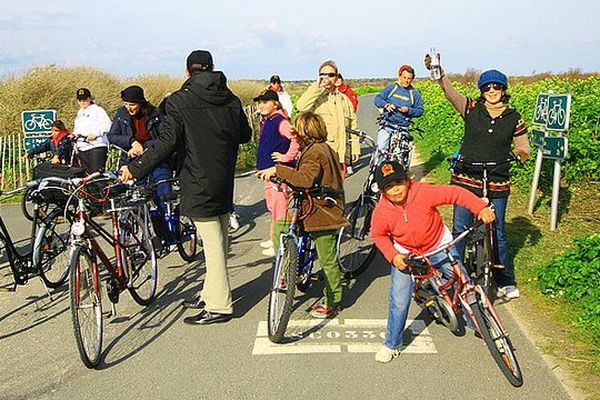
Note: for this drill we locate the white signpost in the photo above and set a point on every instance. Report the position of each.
(552, 112)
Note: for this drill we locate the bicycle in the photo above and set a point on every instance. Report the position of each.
(134, 268)
(401, 139)
(49, 238)
(38, 121)
(481, 251)
(355, 247)
(445, 299)
(180, 229)
(295, 258)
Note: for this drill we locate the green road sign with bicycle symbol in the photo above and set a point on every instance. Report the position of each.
(559, 109)
(37, 122)
(541, 109)
(555, 147)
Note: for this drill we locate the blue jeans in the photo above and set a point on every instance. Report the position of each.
(463, 217)
(401, 293)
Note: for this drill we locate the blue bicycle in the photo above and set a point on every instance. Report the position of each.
(295, 258)
(176, 229)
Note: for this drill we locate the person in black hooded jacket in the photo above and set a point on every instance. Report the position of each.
(205, 123)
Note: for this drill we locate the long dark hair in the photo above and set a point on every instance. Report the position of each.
(59, 124)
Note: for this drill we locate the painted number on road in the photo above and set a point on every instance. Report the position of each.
(335, 336)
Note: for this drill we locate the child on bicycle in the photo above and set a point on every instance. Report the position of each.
(318, 166)
(406, 220)
(277, 144)
(60, 144)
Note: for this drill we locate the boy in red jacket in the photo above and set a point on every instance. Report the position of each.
(406, 220)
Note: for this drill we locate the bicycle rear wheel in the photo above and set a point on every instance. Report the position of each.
(497, 342)
(355, 247)
(281, 298)
(86, 305)
(140, 259)
(187, 240)
(51, 249)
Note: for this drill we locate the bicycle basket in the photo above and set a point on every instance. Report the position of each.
(47, 170)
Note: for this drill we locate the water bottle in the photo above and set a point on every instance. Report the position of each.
(435, 67)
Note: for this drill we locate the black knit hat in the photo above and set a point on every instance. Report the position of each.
(389, 171)
(199, 57)
(266, 96)
(133, 94)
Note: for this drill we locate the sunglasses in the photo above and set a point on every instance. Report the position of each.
(329, 74)
(489, 86)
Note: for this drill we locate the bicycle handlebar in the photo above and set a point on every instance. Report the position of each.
(315, 191)
(485, 164)
(362, 137)
(468, 229)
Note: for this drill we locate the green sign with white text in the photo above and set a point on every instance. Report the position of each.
(537, 137)
(555, 147)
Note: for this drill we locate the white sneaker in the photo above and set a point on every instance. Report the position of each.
(266, 244)
(385, 354)
(234, 221)
(270, 252)
(510, 292)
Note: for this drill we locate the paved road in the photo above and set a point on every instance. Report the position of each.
(151, 354)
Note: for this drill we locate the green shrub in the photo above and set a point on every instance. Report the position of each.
(573, 277)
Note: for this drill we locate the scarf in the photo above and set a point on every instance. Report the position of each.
(495, 109)
(58, 138)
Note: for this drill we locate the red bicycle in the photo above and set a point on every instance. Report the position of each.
(134, 267)
(445, 299)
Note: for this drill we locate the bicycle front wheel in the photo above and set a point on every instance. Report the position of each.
(51, 249)
(497, 342)
(355, 247)
(187, 240)
(86, 305)
(140, 259)
(281, 298)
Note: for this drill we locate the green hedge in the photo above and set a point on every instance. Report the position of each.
(573, 277)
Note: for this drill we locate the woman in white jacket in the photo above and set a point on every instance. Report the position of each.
(90, 127)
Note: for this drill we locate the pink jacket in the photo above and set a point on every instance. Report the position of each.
(417, 225)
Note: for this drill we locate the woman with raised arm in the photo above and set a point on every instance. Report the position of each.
(492, 130)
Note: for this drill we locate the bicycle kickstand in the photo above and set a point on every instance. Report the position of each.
(46, 288)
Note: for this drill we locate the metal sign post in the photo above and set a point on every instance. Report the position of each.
(552, 111)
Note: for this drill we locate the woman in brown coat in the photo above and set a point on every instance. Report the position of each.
(318, 166)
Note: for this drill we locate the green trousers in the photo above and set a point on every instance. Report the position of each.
(325, 242)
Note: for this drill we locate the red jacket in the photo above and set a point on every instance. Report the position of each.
(347, 90)
(417, 225)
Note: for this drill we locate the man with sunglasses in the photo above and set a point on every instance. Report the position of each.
(492, 130)
(323, 98)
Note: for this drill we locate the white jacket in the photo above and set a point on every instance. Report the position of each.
(286, 102)
(91, 120)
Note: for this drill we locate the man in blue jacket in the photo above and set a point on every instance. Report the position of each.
(400, 102)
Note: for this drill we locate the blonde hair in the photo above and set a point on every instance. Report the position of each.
(310, 128)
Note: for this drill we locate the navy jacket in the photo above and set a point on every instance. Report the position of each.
(121, 131)
(64, 149)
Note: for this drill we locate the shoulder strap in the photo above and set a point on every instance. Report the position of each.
(393, 91)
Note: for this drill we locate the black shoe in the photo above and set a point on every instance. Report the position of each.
(195, 304)
(207, 317)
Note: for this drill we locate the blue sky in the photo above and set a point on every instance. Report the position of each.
(254, 39)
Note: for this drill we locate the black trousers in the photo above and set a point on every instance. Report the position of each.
(94, 159)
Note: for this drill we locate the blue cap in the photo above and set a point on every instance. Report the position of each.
(492, 76)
